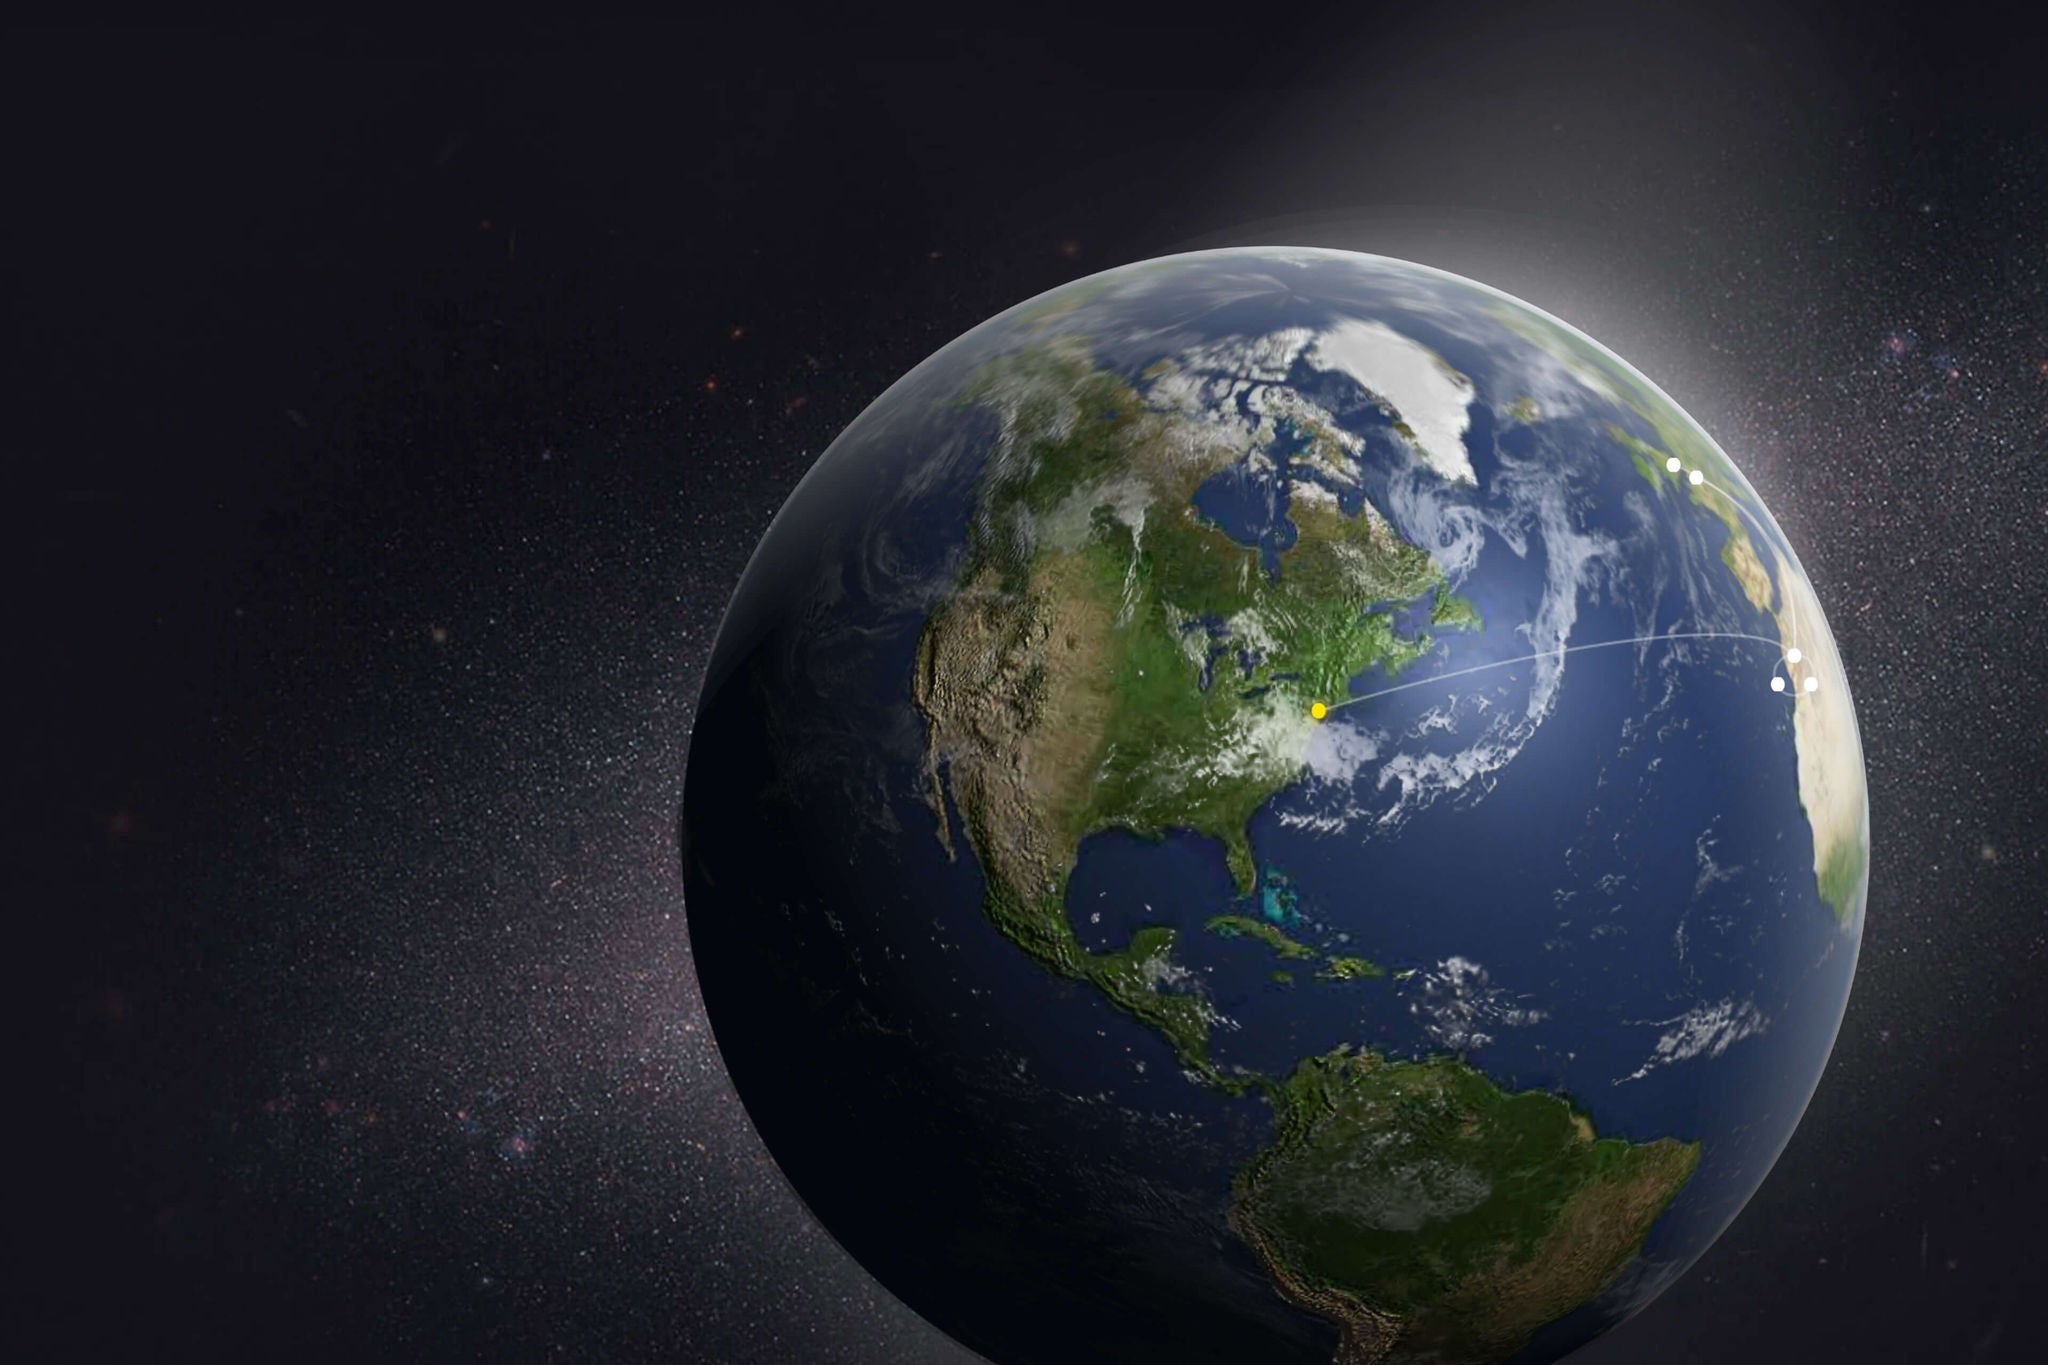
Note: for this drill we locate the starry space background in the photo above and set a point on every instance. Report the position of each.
(390, 416)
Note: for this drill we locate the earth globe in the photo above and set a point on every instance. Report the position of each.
(1275, 805)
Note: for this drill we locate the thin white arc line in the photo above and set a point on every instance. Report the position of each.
(1779, 645)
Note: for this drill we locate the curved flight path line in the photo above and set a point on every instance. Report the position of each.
(1787, 654)
(1328, 707)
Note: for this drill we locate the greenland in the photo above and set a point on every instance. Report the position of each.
(1428, 397)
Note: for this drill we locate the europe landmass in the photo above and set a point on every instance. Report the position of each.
(1108, 659)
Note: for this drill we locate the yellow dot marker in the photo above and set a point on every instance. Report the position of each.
(1317, 710)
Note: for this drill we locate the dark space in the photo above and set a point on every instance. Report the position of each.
(392, 413)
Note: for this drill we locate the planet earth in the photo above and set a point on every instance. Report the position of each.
(1275, 805)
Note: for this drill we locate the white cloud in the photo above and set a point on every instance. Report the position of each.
(1457, 1003)
(1336, 751)
(1703, 1030)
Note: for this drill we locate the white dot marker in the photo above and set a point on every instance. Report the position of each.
(1812, 683)
(1794, 655)
(1672, 464)
(1696, 478)
(1777, 684)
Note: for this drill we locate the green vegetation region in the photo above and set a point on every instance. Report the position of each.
(1840, 874)
(1083, 673)
(1334, 968)
(1452, 612)
(1433, 1216)
(1234, 926)
(1648, 460)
